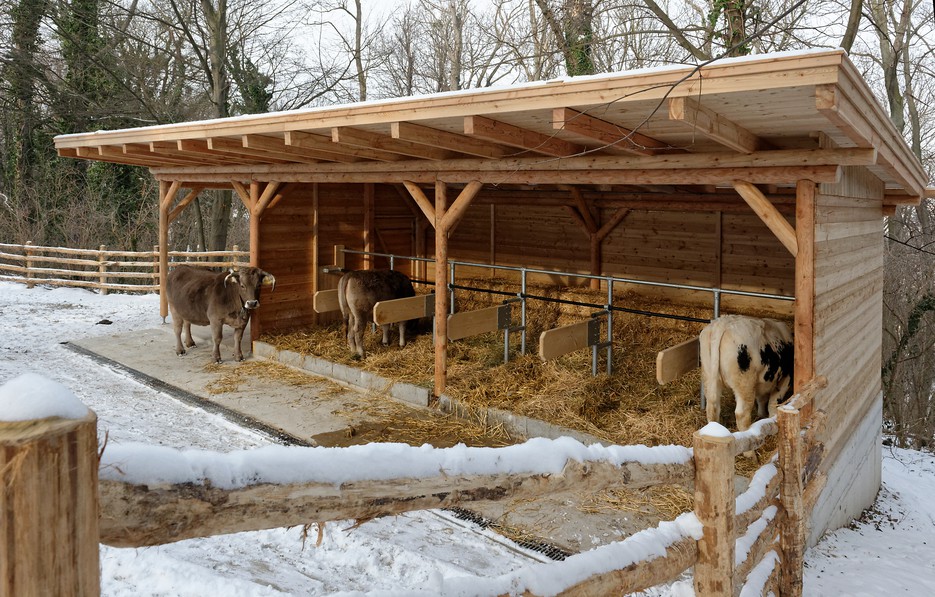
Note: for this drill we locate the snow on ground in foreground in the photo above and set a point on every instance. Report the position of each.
(891, 551)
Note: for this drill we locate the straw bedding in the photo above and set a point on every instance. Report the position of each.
(626, 407)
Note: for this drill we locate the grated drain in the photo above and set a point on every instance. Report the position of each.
(550, 551)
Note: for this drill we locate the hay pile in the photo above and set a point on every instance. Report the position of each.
(626, 407)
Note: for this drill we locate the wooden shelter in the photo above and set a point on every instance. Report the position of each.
(767, 173)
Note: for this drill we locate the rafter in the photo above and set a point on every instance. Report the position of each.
(171, 149)
(369, 139)
(417, 133)
(199, 147)
(144, 151)
(277, 146)
(320, 142)
(514, 136)
(235, 147)
(615, 138)
(713, 125)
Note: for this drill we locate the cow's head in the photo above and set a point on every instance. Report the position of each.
(248, 281)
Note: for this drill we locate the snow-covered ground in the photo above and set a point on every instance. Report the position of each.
(892, 551)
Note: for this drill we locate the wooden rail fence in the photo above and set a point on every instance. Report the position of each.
(101, 269)
(750, 543)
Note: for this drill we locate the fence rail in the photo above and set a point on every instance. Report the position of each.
(101, 269)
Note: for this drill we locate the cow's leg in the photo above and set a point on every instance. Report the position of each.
(745, 396)
(402, 334)
(216, 330)
(359, 324)
(386, 334)
(187, 328)
(238, 339)
(177, 330)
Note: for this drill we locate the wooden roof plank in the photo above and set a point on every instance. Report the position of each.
(320, 142)
(275, 145)
(713, 125)
(514, 136)
(234, 147)
(616, 138)
(417, 133)
(368, 139)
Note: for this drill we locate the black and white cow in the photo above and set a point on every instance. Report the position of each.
(754, 358)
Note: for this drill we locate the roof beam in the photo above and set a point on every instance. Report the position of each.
(234, 147)
(200, 148)
(482, 127)
(145, 151)
(713, 125)
(769, 214)
(94, 153)
(369, 139)
(320, 142)
(616, 139)
(171, 149)
(417, 133)
(277, 146)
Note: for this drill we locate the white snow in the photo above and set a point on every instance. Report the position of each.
(714, 429)
(31, 396)
(428, 553)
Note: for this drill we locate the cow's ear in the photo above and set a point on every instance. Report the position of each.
(231, 275)
(267, 279)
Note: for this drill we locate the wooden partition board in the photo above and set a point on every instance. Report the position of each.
(326, 301)
(404, 309)
(471, 323)
(674, 362)
(559, 341)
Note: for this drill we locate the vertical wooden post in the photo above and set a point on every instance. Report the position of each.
(804, 371)
(369, 219)
(315, 251)
(441, 289)
(235, 258)
(715, 508)
(254, 224)
(102, 268)
(49, 506)
(156, 269)
(164, 201)
(596, 242)
(29, 254)
(493, 239)
(793, 524)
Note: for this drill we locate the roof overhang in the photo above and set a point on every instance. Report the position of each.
(768, 119)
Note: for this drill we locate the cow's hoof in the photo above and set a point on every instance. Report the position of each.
(356, 357)
(177, 353)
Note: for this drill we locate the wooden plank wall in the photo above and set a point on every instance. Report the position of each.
(697, 248)
(848, 336)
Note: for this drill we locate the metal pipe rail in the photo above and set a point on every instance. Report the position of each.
(609, 280)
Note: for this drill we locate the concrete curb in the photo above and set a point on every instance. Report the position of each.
(367, 381)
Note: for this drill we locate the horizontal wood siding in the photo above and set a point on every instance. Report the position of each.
(848, 342)
(285, 250)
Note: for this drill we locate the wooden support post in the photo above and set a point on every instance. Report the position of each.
(165, 200)
(804, 285)
(369, 219)
(715, 508)
(441, 289)
(793, 529)
(29, 254)
(315, 251)
(49, 506)
(102, 268)
(254, 224)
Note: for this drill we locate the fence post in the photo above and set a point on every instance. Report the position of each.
(715, 509)
(234, 258)
(29, 252)
(102, 268)
(48, 496)
(792, 528)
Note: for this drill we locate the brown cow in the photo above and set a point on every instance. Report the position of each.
(754, 358)
(359, 291)
(201, 297)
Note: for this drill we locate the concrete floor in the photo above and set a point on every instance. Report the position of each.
(322, 412)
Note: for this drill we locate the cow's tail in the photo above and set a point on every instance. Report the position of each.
(710, 352)
(342, 301)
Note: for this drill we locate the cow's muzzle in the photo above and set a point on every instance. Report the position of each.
(251, 305)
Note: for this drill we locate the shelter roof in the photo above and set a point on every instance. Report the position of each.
(766, 119)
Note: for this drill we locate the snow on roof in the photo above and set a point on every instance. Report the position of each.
(31, 396)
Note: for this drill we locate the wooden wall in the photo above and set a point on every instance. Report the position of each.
(733, 250)
(848, 339)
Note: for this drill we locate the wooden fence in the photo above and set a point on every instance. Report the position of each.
(102, 269)
(750, 543)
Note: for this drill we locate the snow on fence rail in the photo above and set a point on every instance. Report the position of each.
(730, 540)
(101, 269)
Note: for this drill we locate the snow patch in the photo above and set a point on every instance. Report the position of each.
(30, 396)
